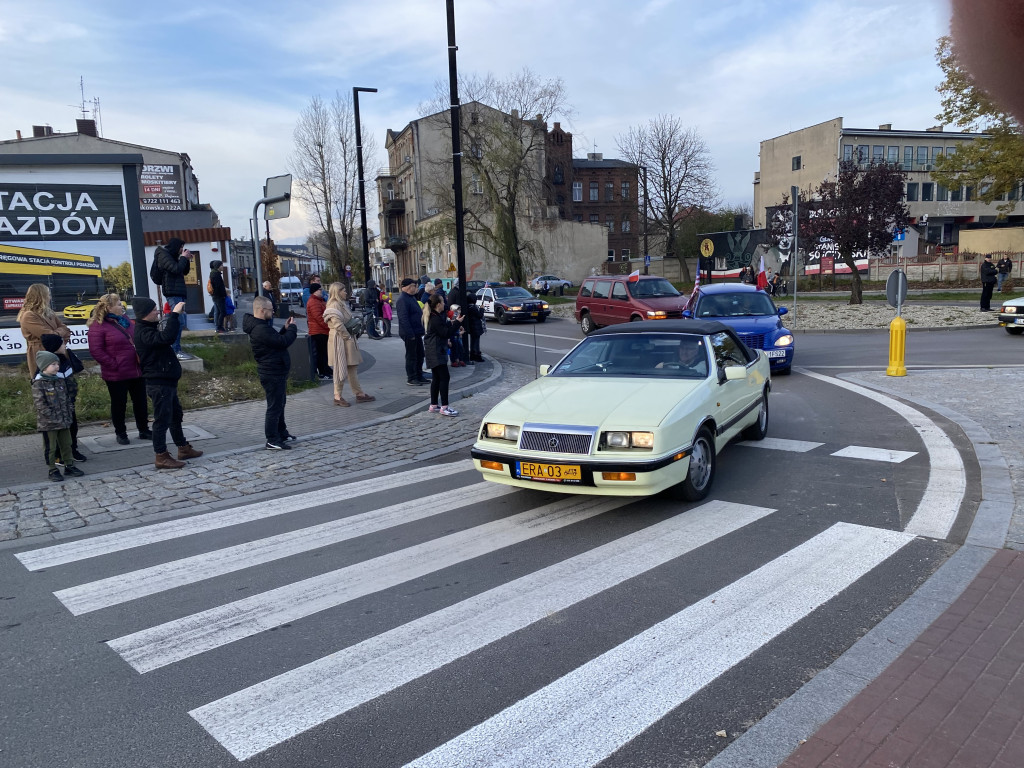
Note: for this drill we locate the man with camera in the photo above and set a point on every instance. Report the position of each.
(270, 348)
(174, 260)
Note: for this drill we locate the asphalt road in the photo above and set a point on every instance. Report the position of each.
(420, 619)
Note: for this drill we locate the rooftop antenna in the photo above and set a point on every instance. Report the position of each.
(85, 105)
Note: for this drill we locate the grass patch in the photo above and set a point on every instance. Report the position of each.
(229, 376)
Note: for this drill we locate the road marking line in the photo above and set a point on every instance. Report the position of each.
(531, 333)
(263, 715)
(61, 554)
(178, 573)
(782, 444)
(181, 638)
(947, 480)
(874, 454)
(587, 715)
(531, 346)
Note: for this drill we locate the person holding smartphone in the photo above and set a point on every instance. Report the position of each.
(174, 260)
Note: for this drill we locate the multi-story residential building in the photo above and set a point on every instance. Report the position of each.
(595, 191)
(806, 157)
(414, 199)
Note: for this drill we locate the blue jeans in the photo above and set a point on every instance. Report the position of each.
(182, 320)
(1000, 279)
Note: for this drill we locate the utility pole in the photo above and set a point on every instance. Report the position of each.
(453, 82)
(359, 168)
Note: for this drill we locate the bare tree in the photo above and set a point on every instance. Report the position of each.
(326, 172)
(503, 134)
(679, 174)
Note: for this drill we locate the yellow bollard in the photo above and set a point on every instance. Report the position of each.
(897, 347)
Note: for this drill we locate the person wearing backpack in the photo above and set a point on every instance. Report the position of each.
(215, 285)
(172, 262)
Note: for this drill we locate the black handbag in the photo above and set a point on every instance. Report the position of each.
(77, 366)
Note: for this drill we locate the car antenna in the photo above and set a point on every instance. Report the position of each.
(536, 367)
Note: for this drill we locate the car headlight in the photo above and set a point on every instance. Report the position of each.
(657, 315)
(1009, 310)
(502, 432)
(629, 439)
(784, 341)
(543, 306)
(516, 309)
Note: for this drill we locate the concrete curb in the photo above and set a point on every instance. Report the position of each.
(768, 743)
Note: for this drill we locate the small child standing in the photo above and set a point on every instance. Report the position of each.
(229, 314)
(54, 414)
(54, 343)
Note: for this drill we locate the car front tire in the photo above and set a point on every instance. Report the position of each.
(783, 371)
(541, 318)
(1014, 330)
(700, 470)
(499, 315)
(586, 324)
(759, 428)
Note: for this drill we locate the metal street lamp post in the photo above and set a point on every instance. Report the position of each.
(359, 167)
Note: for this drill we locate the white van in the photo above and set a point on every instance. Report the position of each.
(291, 290)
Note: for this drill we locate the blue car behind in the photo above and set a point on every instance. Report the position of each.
(752, 314)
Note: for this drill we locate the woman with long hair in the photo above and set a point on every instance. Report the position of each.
(342, 351)
(112, 345)
(36, 319)
(435, 347)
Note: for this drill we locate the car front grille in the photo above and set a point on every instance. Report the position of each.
(565, 442)
(752, 340)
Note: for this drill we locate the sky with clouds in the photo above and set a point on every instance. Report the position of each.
(224, 81)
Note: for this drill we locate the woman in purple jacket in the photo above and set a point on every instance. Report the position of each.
(112, 345)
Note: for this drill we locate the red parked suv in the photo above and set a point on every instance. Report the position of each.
(608, 299)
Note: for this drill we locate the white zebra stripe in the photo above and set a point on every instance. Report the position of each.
(585, 716)
(182, 638)
(263, 715)
(782, 444)
(159, 578)
(83, 549)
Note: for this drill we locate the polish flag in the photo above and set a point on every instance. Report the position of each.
(634, 277)
(762, 279)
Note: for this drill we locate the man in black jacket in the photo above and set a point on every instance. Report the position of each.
(175, 260)
(161, 370)
(270, 348)
(410, 329)
(218, 292)
(988, 282)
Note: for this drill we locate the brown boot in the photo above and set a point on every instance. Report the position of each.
(164, 461)
(186, 451)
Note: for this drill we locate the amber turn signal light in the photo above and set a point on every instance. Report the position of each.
(618, 475)
(495, 465)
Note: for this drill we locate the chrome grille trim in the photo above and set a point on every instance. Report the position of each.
(570, 439)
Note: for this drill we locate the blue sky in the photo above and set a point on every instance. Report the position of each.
(224, 81)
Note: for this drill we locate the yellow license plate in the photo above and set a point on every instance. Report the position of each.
(533, 314)
(549, 472)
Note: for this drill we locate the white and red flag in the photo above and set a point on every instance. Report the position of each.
(762, 278)
(634, 277)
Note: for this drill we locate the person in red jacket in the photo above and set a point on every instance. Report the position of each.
(112, 345)
(318, 330)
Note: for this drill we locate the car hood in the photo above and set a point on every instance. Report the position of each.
(1019, 302)
(594, 401)
(757, 324)
(664, 303)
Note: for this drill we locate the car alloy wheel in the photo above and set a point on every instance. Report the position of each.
(586, 324)
(499, 313)
(700, 473)
(759, 428)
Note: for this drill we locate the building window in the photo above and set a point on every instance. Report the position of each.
(847, 152)
(625, 224)
(908, 158)
(559, 176)
(609, 191)
(577, 191)
(595, 219)
(1014, 193)
(625, 254)
(474, 118)
(796, 163)
(926, 192)
(922, 157)
(941, 193)
(862, 153)
(610, 221)
(956, 194)
(893, 155)
(936, 153)
(877, 153)
(611, 254)
(474, 149)
(593, 191)
(475, 187)
(578, 217)
(625, 190)
(912, 192)
(969, 195)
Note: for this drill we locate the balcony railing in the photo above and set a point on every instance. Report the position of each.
(394, 207)
(397, 243)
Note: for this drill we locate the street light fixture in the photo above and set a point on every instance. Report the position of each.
(362, 191)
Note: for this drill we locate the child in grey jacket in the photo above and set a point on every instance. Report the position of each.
(54, 414)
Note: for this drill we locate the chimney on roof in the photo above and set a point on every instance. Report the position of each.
(19, 135)
(558, 126)
(595, 156)
(885, 127)
(86, 127)
(39, 131)
(934, 129)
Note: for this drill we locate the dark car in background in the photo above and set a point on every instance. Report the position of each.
(505, 303)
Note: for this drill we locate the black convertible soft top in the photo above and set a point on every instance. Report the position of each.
(697, 327)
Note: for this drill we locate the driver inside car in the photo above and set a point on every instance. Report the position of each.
(690, 356)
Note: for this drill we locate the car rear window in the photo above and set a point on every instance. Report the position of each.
(587, 289)
(601, 290)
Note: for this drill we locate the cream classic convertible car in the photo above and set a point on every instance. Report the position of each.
(632, 410)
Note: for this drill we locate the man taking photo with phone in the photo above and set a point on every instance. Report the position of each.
(174, 260)
(270, 348)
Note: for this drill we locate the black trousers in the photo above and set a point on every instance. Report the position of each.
(320, 345)
(276, 388)
(474, 345)
(440, 376)
(413, 357)
(120, 391)
(218, 312)
(167, 415)
(986, 295)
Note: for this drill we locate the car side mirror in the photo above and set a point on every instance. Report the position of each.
(734, 372)
(783, 311)
(687, 313)
(545, 369)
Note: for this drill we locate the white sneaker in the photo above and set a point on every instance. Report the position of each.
(446, 411)
(184, 356)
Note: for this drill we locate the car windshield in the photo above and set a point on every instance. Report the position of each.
(646, 289)
(512, 293)
(650, 355)
(735, 305)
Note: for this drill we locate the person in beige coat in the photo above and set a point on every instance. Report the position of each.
(36, 319)
(342, 351)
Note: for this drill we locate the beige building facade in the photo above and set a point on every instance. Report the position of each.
(807, 157)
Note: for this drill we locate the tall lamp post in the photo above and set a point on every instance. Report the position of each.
(362, 190)
(646, 254)
(453, 86)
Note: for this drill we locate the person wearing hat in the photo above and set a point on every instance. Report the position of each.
(318, 330)
(988, 282)
(54, 414)
(55, 343)
(174, 261)
(161, 370)
(411, 331)
(218, 292)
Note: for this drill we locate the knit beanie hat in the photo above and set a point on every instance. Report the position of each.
(142, 306)
(51, 341)
(44, 358)
(314, 287)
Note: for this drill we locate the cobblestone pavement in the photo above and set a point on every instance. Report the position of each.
(142, 492)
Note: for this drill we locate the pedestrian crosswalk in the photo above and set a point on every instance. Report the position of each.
(594, 546)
